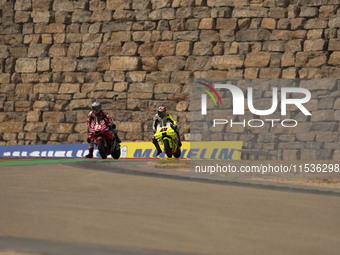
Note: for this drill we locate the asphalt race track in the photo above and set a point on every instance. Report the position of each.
(94, 207)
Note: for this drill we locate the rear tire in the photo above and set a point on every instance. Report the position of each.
(167, 148)
(101, 148)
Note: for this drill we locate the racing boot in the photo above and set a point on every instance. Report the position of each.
(90, 155)
(155, 142)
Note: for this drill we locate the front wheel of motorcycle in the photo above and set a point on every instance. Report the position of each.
(101, 149)
(167, 148)
(116, 154)
(178, 153)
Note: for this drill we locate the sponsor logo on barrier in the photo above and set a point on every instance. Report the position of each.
(206, 150)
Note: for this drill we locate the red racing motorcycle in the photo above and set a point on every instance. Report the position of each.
(106, 142)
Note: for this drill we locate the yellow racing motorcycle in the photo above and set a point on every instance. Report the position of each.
(167, 139)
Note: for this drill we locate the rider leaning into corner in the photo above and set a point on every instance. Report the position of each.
(98, 114)
(163, 117)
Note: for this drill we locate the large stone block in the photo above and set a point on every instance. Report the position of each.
(4, 51)
(253, 35)
(45, 88)
(18, 51)
(141, 87)
(37, 50)
(141, 4)
(220, 3)
(171, 63)
(257, 59)
(310, 59)
(183, 48)
(186, 36)
(334, 22)
(89, 49)
(227, 62)
(322, 115)
(63, 64)
(119, 4)
(308, 12)
(80, 104)
(288, 59)
(164, 48)
(334, 45)
(158, 77)
(137, 76)
(22, 5)
(33, 116)
(41, 16)
(41, 5)
(198, 63)
(80, 16)
(109, 49)
(167, 88)
(334, 59)
(59, 128)
(314, 45)
(53, 117)
(87, 64)
(129, 49)
(23, 106)
(26, 65)
(101, 16)
(149, 64)
(43, 64)
(63, 5)
(58, 50)
(55, 28)
(22, 17)
(5, 77)
(316, 23)
(207, 23)
(69, 88)
(124, 15)
(223, 23)
(250, 12)
(203, 48)
(124, 63)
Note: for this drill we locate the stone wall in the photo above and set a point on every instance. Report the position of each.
(56, 57)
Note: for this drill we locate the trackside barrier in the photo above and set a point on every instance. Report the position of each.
(208, 150)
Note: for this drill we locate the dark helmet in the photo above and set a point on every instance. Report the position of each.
(161, 111)
(96, 107)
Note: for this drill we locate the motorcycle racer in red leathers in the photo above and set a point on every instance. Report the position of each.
(98, 114)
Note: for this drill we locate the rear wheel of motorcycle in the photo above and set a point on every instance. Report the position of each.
(167, 148)
(178, 153)
(101, 149)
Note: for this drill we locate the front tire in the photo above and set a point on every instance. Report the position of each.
(116, 154)
(178, 153)
(101, 148)
(168, 150)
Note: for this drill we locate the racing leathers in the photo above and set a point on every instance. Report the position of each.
(167, 118)
(103, 115)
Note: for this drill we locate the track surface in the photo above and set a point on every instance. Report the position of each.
(72, 209)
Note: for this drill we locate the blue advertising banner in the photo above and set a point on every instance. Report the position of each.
(208, 150)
